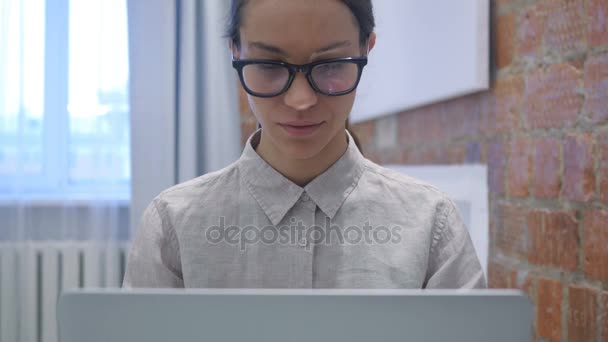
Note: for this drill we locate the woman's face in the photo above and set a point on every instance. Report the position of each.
(300, 32)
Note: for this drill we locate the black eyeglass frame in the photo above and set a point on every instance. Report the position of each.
(239, 64)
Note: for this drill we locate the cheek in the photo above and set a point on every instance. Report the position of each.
(339, 107)
(260, 107)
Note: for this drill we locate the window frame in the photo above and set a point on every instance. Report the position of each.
(53, 181)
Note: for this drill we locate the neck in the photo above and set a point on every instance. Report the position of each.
(302, 171)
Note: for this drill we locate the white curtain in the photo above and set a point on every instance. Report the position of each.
(184, 103)
(65, 174)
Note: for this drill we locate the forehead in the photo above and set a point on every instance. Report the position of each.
(298, 26)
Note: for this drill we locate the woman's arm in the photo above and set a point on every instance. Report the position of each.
(154, 258)
(453, 262)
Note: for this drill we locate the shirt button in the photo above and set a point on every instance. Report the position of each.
(305, 197)
(303, 242)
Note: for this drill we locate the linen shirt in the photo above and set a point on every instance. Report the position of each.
(248, 226)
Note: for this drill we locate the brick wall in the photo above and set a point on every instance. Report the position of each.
(542, 130)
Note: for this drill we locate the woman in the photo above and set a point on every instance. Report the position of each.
(302, 208)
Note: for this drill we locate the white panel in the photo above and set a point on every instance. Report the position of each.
(152, 33)
(70, 267)
(28, 294)
(188, 97)
(8, 294)
(92, 266)
(50, 290)
(426, 51)
(220, 97)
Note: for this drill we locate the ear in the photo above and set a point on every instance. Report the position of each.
(233, 48)
(372, 41)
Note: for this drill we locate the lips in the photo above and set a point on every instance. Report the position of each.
(300, 128)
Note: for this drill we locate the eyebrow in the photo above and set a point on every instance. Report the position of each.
(279, 51)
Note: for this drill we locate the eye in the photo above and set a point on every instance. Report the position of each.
(270, 67)
(331, 67)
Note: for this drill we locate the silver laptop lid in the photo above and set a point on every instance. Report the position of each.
(293, 315)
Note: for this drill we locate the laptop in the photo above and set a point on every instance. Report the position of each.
(288, 315)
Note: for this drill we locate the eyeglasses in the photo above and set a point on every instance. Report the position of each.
(267, 78)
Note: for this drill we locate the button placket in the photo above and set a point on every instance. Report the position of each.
(303, 214)
(303, 242)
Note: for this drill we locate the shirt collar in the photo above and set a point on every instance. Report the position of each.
(276, 194)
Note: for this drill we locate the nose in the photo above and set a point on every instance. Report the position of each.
(300, 95)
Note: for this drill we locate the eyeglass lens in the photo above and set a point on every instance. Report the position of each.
(334, 77)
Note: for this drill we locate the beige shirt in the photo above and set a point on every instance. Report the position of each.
(357, 225)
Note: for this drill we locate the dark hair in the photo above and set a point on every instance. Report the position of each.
(363, 13)
(362, 10)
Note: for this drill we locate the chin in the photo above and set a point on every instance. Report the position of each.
(302, 150)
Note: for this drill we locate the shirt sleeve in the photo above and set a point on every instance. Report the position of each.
(453, 262)
(154, 257)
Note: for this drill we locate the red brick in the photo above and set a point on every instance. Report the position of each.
(603, 165)
(407, 155)
(428, 155)
(598, 22)
(460, 117)
(410, 156)
(454, 153)
(473, 152)
(524, 281)
(492, 224)
(604, 304)
(505, 35)
(531, 31)
(549, 309)
(375, 157)
(566, 27)
(388, 156)
(596, 87)
(582, 314)
(519, 168)
(421, 125)
(511, 230)
(499, 276)
(547, 165)
(596, 244)
(555, 242)
(534, 228)
(552, 99)
(415, 156)
(408, 132)
(504, 107)
(579, 175)
(534, 219)
(365, 132)
(497, 162)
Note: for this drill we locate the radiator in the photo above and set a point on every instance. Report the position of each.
(33, 274)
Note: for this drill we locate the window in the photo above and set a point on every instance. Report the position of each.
(64, 109)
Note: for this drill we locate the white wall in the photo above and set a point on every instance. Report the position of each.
(426, 51)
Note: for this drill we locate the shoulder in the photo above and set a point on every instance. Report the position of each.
(208, 186)
(386, 182)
